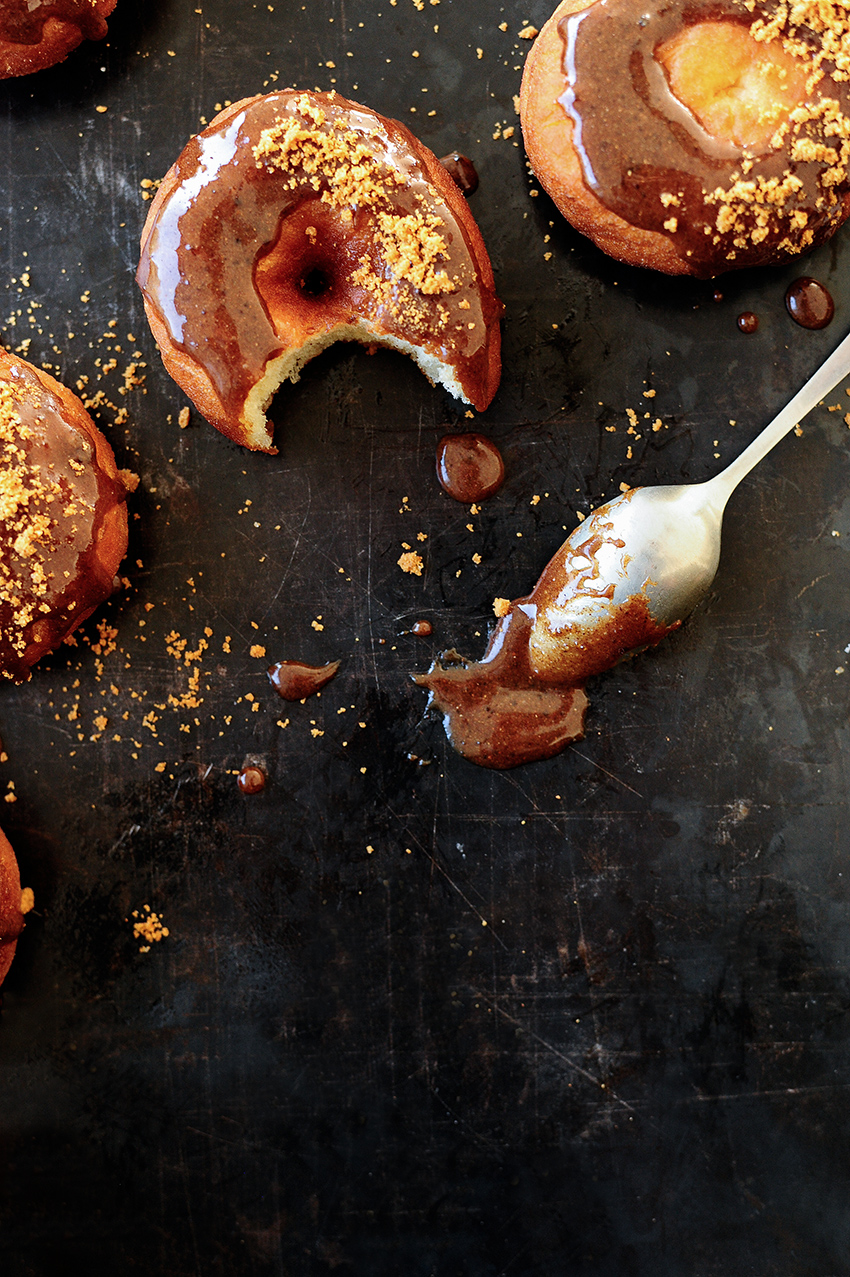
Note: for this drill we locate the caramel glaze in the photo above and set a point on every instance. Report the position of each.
(637, 142)
(295, 681)
(62, 519)
(238, 253)
(809, 303)
(23, 23)
(496, 712)
(525, 699)
(462, 171)
(251, 780)
(469, 467)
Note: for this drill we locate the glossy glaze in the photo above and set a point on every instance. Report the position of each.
(56, 462)
(809, 303)
(469, 467)
(23, 22)
(639, 145)
(209, 269)
(294, 681)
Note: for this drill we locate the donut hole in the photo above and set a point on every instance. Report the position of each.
(739, 89)
(301, 276)
(316, 282)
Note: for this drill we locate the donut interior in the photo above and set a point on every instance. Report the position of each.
(738, 88)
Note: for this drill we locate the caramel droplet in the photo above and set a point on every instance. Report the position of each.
(469, 467)
(294, 680)
(748, 322)
(809, 304)
(422, 628)
(462, 172)
(251, 780)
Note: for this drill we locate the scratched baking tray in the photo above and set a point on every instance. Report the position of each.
(639, 1066)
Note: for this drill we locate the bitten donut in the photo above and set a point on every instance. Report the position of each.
(693, 136)
(63, 515)
(300, 219)
(14, 905)
(35, 34)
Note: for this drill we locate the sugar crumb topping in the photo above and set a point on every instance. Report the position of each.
(32, 501)
(817, 132)
(347, 175)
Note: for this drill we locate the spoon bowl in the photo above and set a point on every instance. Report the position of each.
(659, 545)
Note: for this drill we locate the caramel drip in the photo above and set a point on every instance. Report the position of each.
(243, 185)
(462, 171)
(647, 158)
(469, 467)
(525, 699)
(809, 303)
(23, 22)
(295, 681)
(251, 780)
(495, 711)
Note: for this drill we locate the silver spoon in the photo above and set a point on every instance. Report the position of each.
(661, 543)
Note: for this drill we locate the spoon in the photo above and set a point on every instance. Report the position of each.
(662, 543)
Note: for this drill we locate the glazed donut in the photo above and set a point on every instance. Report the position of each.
(35, 34)
(14, 905)
(296, 220)
(693, 136)
(63, 515)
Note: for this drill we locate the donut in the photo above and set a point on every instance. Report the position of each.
(296, 220)
(14, 904)
(35, 34)
(63, 515)
(693, 136)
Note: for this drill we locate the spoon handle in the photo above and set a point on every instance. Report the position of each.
(836, 367)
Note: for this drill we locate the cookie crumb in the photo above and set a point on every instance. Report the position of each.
(411, 562)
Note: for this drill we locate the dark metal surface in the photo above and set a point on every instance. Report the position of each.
(639, 1066)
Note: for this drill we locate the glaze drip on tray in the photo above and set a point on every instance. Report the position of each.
(809, 303)
(469, 467)
(525, 699)
(294, 681)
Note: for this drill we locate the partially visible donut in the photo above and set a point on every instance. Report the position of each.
(14, 905)
(296, 220)
(35, 34)
(693, 136)
(63, 515)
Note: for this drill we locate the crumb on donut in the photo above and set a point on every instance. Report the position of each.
(26, 494)
(412, 244)
(748, 207)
